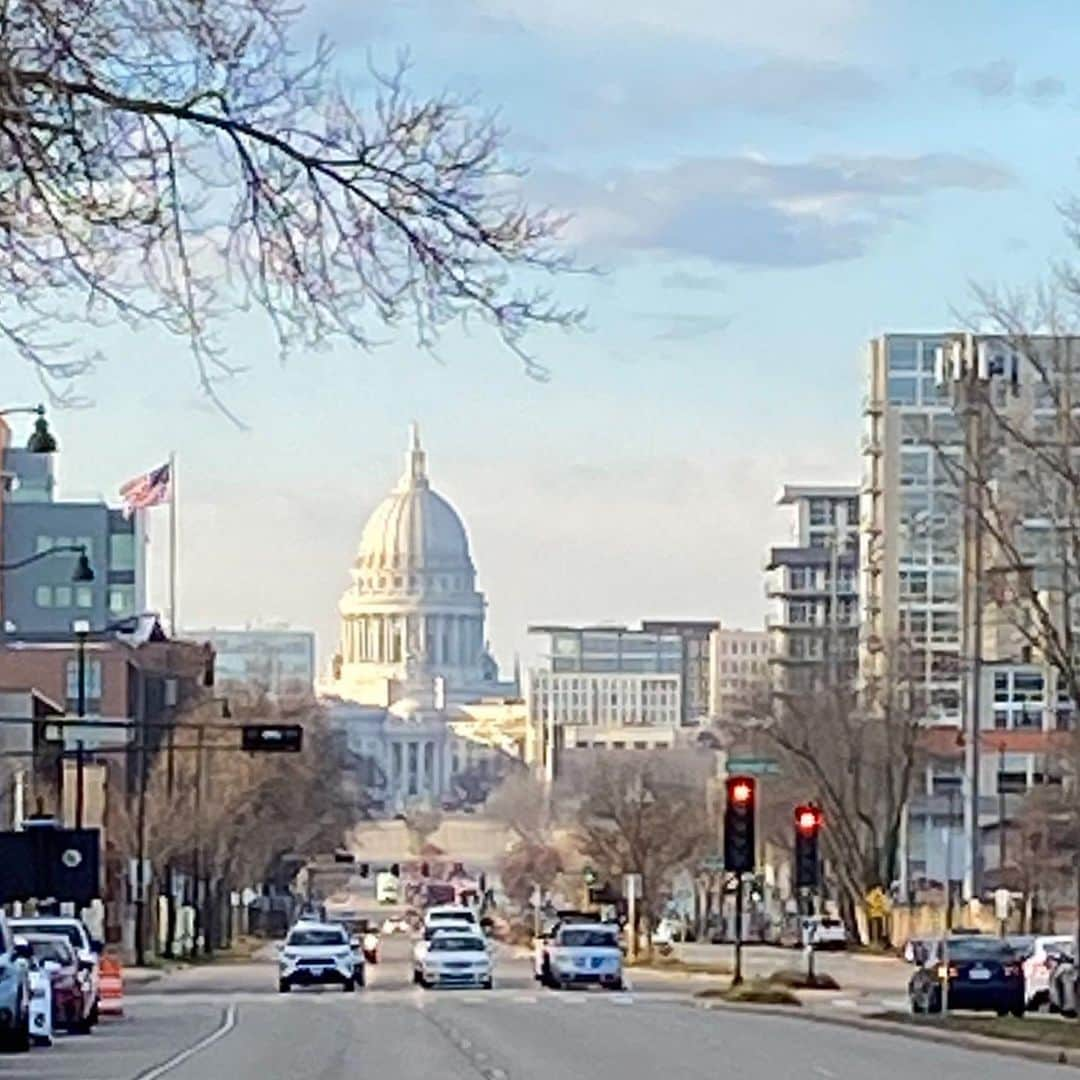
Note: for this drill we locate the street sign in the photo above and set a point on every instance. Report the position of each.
(1002, 904)
(752, 766)
(712, 864)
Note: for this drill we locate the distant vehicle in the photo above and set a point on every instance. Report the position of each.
(455, 958)
(580, 954)
(369, 942)
(395, 926)
(41, 1020)
(386, 887)
(68, 984)
(428, 935)
(319, 954)
(451, 913)
(14, 990)
(443, 893)
(981, 973)
(1039, 959)
(87, 950)
(823, 932)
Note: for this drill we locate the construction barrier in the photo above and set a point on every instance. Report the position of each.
(111, 987)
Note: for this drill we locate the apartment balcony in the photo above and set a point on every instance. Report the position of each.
(871, 445)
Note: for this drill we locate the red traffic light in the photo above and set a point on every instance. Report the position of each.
(807, 819)
(740, 791)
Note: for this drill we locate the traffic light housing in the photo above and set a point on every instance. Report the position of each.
(808, 822)
(272, 738)
(739, 818)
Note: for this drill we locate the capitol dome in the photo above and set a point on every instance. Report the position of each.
(413, 529)
(413, 613)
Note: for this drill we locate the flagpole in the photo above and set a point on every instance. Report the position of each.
(172, 544)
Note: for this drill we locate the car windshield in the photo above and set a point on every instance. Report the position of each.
(980, 948)
(317, 936)
(579, 938)
(60, 951)
(457, 943)
(65, 930)
(436, 931)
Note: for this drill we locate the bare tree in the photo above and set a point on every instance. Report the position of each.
(422, 823)
(855, 752)
(161, 163)
(643, 812)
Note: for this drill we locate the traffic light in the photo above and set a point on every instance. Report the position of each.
(272, 738)
(808, 822)
(739, 845)
(395, 869)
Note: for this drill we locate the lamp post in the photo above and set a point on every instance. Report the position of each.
(81, 628)
(83, 572)
(42, 440)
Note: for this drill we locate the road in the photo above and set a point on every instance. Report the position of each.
(229, 1023)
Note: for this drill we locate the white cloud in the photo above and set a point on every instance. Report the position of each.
(755, 212)
(824, 28)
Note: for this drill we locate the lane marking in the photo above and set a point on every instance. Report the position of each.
(228, 1022)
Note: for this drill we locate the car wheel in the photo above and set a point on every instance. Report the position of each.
(487, 984)
(1018, 1009)
(17, 1042)
(933, 1004)
(360, 978)
(1002, 1010)
(94, 1016)
(348, 986)
(283, 986)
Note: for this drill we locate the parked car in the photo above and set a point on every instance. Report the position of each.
(317, 954)
(14, 991)
(823, 932)
(980, 973)
(87, 949)
(68, 983)
(580, 954)
(1039, 959)
(451, 913)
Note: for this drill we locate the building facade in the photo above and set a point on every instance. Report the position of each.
(604, 687)
(41, 599)
(739, 668)
(696, 670)
(278, 661)
(813, 589)
(412, 647)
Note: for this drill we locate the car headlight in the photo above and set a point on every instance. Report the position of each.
(7, 971)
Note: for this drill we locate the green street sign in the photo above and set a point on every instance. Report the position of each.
(752, 766)
(712, 864)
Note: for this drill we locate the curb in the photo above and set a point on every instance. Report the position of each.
(1040, 1052)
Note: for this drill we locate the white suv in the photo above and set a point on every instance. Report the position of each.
(317, 954)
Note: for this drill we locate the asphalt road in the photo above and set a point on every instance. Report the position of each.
(229, 1023)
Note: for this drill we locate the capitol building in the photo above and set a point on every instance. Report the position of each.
(413, 667)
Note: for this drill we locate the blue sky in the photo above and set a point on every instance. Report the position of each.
(765, 188)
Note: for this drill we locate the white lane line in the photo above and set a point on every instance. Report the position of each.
(824, 1072)
(228, 1022)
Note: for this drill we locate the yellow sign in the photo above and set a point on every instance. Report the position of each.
(877, 904)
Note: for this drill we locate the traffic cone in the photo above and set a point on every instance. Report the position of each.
(111, 987)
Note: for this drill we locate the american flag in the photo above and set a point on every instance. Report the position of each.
(150, 489)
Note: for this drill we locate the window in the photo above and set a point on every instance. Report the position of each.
(801, 613)
(93, 684)
(913, 584)
(43, 596)
(802, 577)
(84, 597)
(946, 585)
(902, 356)
(121, 551)
(44, 543)
(902, 390)
(62, 596)
(914, 468)
(914, 429)
(820, 512)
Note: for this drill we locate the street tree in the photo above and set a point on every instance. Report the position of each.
(643, 812)
(855, 752)
(163, 163)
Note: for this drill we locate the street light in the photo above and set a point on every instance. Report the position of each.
(42, 440)
(82, 574)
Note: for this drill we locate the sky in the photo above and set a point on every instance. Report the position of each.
(764, 187)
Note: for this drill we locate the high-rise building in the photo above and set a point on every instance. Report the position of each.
(739, 669)
(695, 673)
(42, 599)
(813, 586)
(605, 687)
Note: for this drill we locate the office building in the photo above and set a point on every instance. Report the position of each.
(696, 670)
(739, 670)
(41, 599)
(605, 687)
(276, 661)
(813, 589)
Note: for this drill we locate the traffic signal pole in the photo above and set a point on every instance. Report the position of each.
(737, 978)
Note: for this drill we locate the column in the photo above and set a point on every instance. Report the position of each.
(454, 637)
(421, 772)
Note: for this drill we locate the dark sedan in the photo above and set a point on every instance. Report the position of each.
(980, 973)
